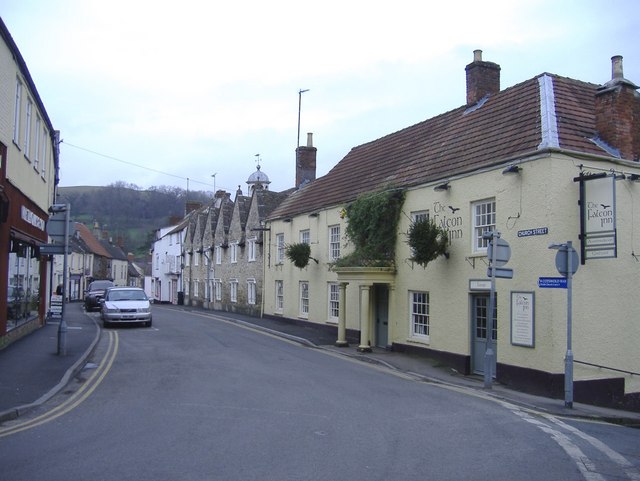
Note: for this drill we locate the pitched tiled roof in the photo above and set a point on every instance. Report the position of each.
(90, 240)
(545, 112)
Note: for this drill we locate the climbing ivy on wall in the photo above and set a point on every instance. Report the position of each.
(372, 228)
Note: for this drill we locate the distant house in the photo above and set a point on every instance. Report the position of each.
(550, 160)
(166, 263)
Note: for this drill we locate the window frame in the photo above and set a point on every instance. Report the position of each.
(479, 244)
(280, 248)
(333, 301)
(304, 298)
(251, 292)
(252, 249)
(279, 296)
(233, 292)
(415, 316)
(17, 113)
(334, 242)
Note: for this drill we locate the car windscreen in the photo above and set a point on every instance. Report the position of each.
(126, 295)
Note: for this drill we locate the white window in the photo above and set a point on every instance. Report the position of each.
(234, 252)
(280, 248)
(334, 301)
(217, 287)
(304, 299)
(234, 290)
(205, 257)
(43, 153)
(419, 215)
(188, 258)
(16, 113)
(305, 236)
(419, 304)
(251, 291)
(484, 220)
(279, 296)
(196, 290)
(334, 242)
(252, 250)
(36, 138)
(27, 129)
(218, 255)
(196, 259)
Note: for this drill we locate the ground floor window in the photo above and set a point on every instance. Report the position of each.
(23, 296)
(217, 288)
(419, 308)
(251, 291)
(279, 296)
(334, 301)
(304, 299)
(234, 290)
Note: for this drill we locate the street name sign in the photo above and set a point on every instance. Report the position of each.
(552, 282)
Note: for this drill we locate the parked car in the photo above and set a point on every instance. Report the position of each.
(124, 305)
(94, 293)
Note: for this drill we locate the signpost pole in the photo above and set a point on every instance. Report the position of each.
(62, 327)
(568, 361)
(489, 354)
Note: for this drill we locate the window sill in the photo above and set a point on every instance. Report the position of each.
(420, 340)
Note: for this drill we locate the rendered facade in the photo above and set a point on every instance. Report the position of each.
(549, 160)
(28, 179)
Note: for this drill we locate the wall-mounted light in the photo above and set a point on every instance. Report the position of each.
(288, 219)
(634, 177)
(442, 187)
(313, 214)
(512, 169)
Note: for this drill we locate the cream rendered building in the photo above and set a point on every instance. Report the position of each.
(516, 161)
(28, 179)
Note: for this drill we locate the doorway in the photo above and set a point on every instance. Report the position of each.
(479, 312)
(381, 302)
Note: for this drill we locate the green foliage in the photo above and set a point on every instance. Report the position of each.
(128, 212)
(299, 254)
(427, 241)
(372, 228)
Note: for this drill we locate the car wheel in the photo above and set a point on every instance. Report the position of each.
(106, 324)
(148, 323)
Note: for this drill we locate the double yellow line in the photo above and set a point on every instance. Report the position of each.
(76, 398)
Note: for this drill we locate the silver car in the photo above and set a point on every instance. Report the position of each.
(125, 305)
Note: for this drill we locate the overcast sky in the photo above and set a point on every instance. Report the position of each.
(155, 92)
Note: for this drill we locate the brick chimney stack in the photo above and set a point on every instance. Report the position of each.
(306, 163)
(618, 113)
(483, 78)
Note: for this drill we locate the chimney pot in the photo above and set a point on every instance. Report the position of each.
(616, 67)
(477, 55)
(309, 139)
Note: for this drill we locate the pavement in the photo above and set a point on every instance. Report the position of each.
(31, 371)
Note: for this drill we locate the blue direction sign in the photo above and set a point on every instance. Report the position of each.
(552, 282)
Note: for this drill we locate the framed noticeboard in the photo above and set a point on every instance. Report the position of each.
(523, 319)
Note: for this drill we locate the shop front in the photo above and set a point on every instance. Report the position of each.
(23, 272)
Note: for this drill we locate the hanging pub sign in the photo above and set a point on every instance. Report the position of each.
(597, 216)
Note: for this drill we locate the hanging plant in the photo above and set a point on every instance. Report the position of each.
(299, 254)
(427, 241)
(372, 228)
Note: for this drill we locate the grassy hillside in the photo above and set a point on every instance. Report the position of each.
(127, 212)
